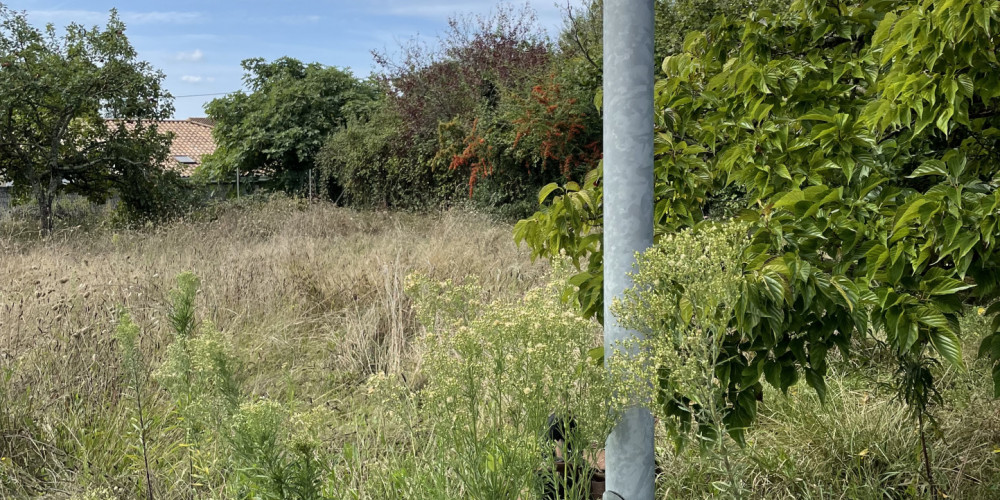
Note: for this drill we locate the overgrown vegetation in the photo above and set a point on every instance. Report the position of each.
(478, 115)
(826, 212)
(276, 128)
(298, 361)
(859, 139)
(306, 304)
(491, 111)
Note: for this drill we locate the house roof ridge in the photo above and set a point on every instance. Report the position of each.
(190, 120)
(198, 122)
(192, 138)
(193, 120)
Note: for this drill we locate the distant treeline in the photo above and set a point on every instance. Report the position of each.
(492, 112)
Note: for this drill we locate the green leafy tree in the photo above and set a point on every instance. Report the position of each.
(78, 113)
(864, 136)
(279, 125)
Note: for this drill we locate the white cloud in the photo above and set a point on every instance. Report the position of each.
(61, 17)
(197, 79)
(193, 56)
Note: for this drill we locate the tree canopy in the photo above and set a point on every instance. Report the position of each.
(78, 113)
(279, 124)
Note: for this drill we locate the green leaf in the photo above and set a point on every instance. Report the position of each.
(579, 279)
(929, 167)
(907, 333)
(943, 118)
(817, 382)
(847, 290)
(789, 199)
(772, 373)
(833, 195)
(789, 376)
(965, 83)
(989, 348)
(946, 343)
(932, 318)
(819, 114)
(951, 228)
(686, 309)
(544, 193)
(948, 286)
(966, 241)
(782, 172)
(884, 27)
(912, 211)
(596, 356)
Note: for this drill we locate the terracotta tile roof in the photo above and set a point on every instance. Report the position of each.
(192, 139)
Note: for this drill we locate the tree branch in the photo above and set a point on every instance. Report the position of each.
(575, 35)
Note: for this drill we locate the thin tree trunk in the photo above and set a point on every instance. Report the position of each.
(44, 197)
(935, 493)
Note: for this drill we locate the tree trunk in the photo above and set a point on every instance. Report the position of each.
(44, 197)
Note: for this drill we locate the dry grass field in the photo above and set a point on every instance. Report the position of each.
(310, 297)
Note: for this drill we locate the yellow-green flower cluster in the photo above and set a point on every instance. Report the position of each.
(685, 290)
(496, 372)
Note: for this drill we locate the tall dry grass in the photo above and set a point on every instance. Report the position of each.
(311, 297)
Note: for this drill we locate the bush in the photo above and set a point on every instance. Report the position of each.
(371, 163)
(156, 197)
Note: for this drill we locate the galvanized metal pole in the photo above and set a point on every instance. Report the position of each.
(628, 217)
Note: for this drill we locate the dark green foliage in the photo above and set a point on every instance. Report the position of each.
(277, 128)
(156, 196)
(366, 164)
(863, 134)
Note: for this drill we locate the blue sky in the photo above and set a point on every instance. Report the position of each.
(199, 44)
